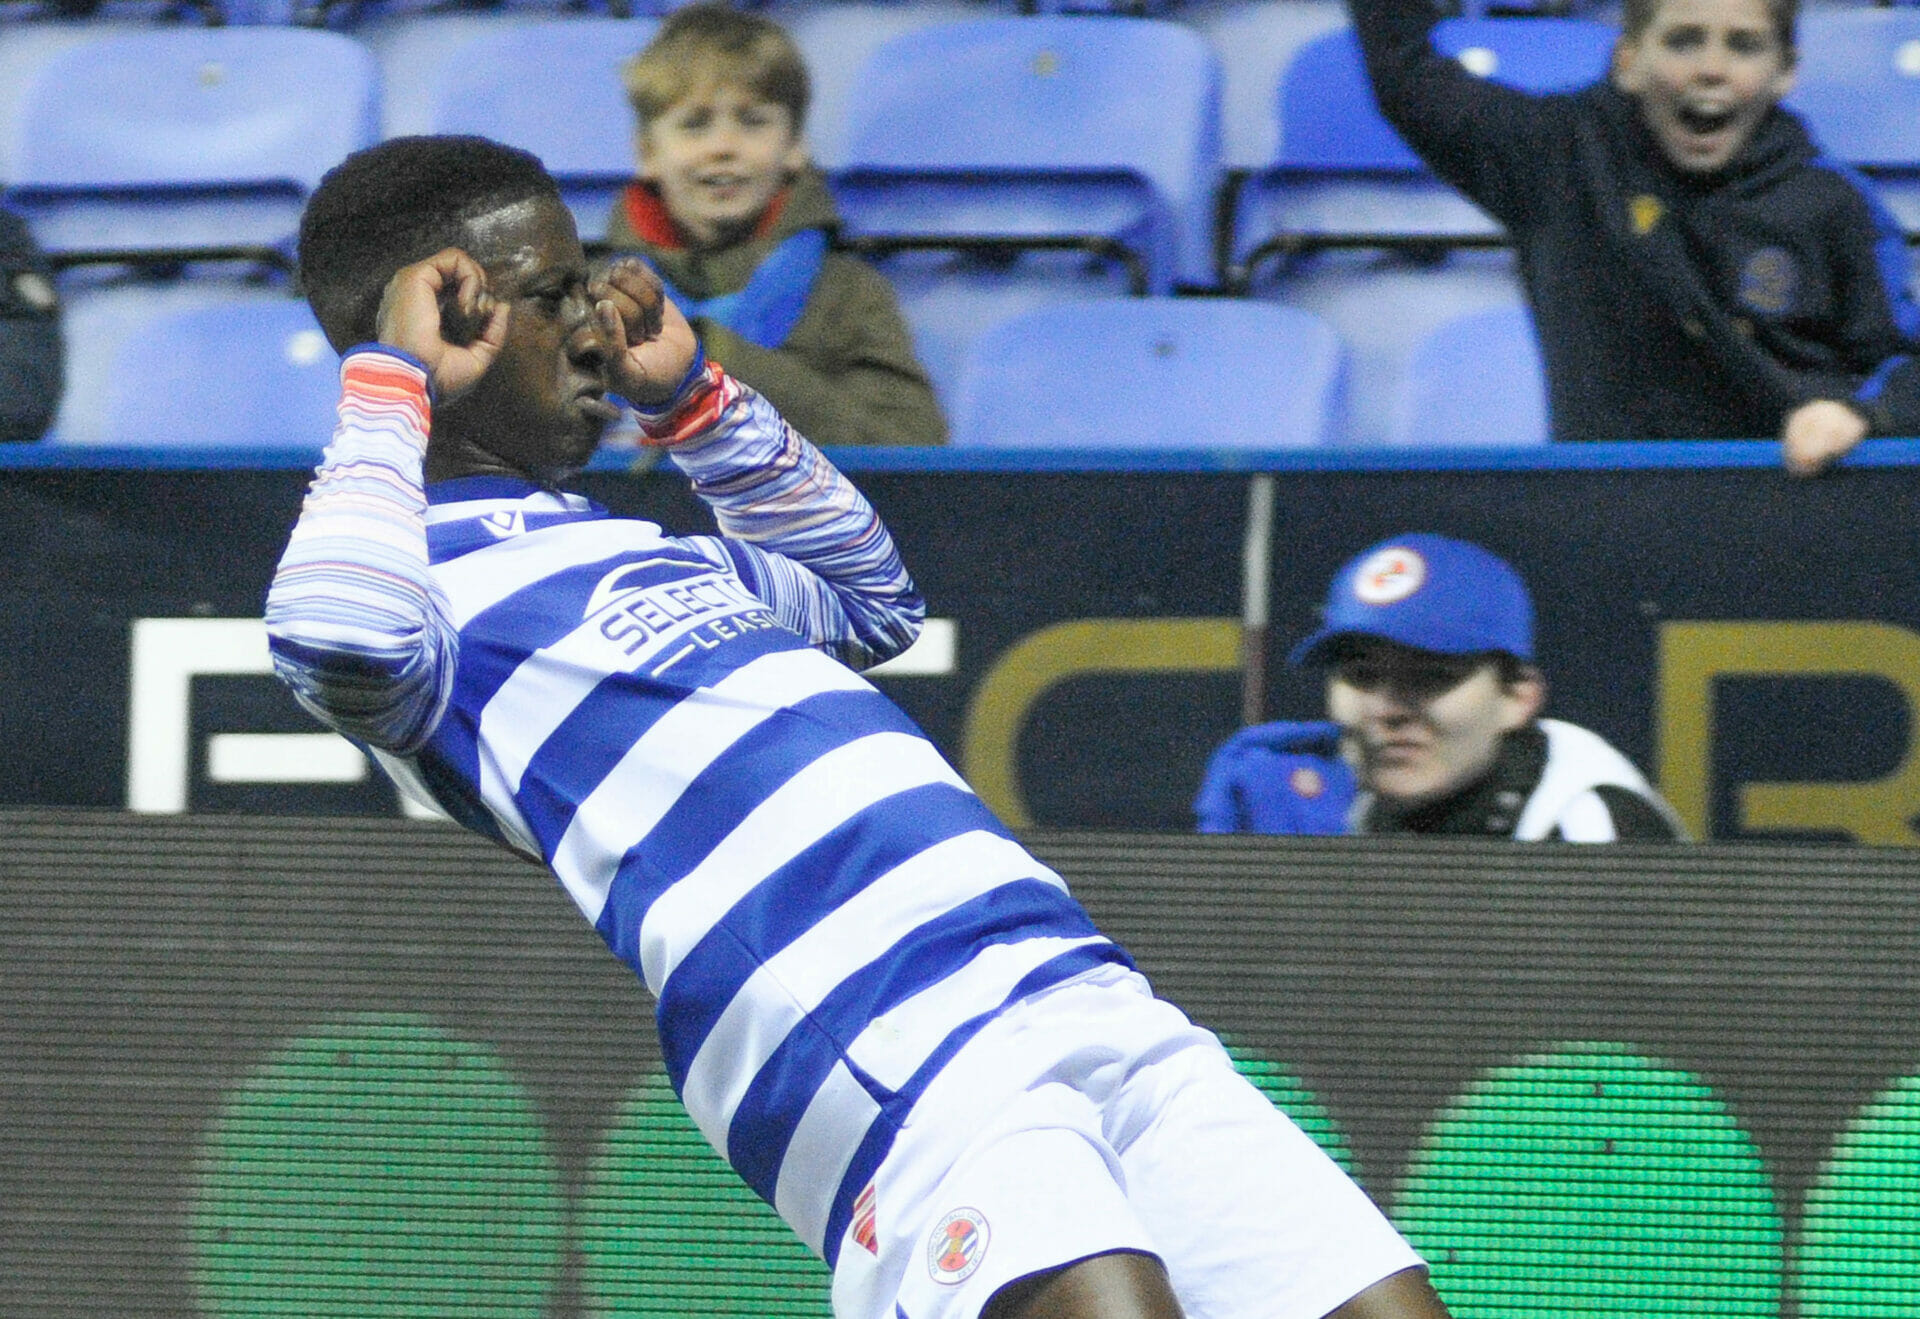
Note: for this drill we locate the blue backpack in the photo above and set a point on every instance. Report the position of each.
(1277, 778)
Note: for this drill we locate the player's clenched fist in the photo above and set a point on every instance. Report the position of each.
(653, 344)
(439, 311)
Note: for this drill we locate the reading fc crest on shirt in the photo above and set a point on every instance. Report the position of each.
(957, 1246)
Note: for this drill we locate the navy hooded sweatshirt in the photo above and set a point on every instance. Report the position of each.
(1668, 305)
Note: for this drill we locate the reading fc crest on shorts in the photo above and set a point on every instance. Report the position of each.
(957, 1246)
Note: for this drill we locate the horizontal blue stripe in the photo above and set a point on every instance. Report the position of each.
(452, 779)
(778, 1096)
(1604, 456)
(893, 1113)
(1621, 455)
(1066, 965)
(465, 489)
(794, 898)
(601, 730)
(495, 641)
(723, 794)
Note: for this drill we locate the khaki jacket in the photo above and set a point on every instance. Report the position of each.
(847, 373)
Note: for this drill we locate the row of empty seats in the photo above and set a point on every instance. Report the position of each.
(1102, 137)
(351, 14)
(1117, 373)
(988, 131)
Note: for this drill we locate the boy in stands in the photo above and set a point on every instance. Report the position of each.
(730, 213)
(1694, 268)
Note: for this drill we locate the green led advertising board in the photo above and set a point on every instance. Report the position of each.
(369, 1068)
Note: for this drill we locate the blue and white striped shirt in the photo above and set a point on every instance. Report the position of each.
(822, 908)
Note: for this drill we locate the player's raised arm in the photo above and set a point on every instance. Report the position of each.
(440, 313)
(357, 628)
(799, 533)
(659, 348)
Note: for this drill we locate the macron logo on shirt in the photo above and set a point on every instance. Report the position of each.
(503, 525)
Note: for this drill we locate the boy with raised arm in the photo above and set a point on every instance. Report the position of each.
(893, 1021)
(1695, 269)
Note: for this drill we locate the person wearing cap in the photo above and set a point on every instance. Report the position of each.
(1427, 647)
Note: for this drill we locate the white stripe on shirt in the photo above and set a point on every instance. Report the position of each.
(795, 981)
(475, 582)
(804, 809)
(625, 806)
(895, 1044)
(823, 1144)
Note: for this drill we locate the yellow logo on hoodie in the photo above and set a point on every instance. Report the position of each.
(1646, 211)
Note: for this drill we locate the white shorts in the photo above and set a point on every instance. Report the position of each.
(1091, 1118)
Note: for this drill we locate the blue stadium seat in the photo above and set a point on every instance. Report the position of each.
(1111, 8)
(1153, 373)
(1341, 171)
(554, 89)
(210, 13)
(1858, 86)
(255, 375)
(186, 138)
(361, 15)
(1037, 130)
(1475, 382)
(1383, 306)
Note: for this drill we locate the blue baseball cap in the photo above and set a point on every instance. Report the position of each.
(1428, 592)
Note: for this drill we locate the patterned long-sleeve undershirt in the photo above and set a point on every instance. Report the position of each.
(366, 638)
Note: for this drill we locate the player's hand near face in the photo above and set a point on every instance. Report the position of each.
(439, 311)
(1818, 433)
(654, 345)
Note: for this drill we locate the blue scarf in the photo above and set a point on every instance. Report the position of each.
(765, 311)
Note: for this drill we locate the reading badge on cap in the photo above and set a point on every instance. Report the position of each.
(1389, 576)
(1426, 592)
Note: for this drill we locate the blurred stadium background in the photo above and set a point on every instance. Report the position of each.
(267, 1050)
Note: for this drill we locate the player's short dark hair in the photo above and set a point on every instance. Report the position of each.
(1637, 16)
(396, 203)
